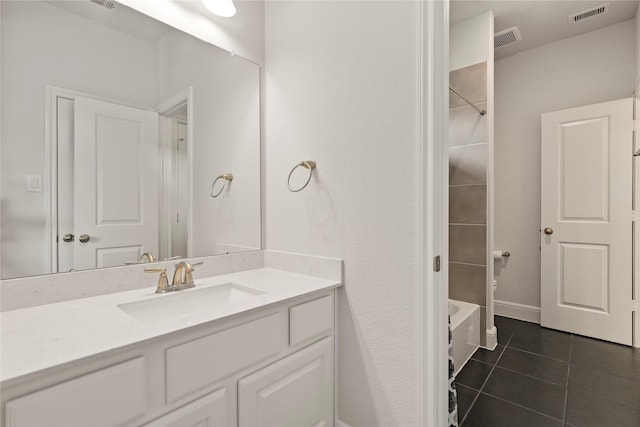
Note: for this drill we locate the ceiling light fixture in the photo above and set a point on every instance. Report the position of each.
(224, 8)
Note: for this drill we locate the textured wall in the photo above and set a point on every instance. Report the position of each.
(587, 69)
(341, 89)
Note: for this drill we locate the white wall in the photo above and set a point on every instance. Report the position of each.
(342, 89)
(471, 41)
(590, 68)
(44, 48)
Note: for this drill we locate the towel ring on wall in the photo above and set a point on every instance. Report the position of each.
(226, 177)
(307, 164)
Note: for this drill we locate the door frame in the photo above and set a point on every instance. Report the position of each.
(52, 93)
(432, 158)
(635, 280)
(166, 109)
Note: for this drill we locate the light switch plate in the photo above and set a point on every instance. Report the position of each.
(34, 183)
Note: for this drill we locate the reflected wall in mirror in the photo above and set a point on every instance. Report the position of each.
(114, 127)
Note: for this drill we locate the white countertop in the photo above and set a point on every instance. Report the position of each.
(36, 338)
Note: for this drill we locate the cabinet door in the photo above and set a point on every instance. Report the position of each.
(296, 391)
(208, 411)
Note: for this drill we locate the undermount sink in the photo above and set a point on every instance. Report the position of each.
(180, 303)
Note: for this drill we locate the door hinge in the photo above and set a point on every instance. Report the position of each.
(635, 216)
(635, 305)
(436, 263)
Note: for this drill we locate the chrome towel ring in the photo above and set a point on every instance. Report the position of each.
(225, 177)
(307, 164)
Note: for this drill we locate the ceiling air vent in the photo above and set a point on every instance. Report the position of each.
(506, 37)
(107, 4)
(600, 10)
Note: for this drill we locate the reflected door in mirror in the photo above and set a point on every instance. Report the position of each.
(115, 200)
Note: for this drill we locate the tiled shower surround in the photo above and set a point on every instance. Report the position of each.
(468, 189)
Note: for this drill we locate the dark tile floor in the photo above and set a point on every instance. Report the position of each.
(541, 377)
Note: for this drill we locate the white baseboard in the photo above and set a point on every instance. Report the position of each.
(528, 313)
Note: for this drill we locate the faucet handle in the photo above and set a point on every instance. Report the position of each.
(188, 276)
(163, 283)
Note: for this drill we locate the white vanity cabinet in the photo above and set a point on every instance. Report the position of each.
(272, 366)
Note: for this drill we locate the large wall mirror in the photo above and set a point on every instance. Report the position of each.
(114, 128)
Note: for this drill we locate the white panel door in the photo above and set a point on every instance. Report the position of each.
(115, 184)
(586, 250)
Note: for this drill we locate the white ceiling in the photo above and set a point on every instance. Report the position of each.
(542, 21)
(122, 18)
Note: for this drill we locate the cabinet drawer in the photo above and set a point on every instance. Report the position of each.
(200, 363)
(310, 320)
(108, 397)
(210, 411)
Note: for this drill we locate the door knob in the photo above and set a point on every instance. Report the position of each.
(548, 231)
(67, 238)
(84, 238)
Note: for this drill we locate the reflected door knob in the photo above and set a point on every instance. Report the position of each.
(67, 238)
(84, 238)
(548, 231)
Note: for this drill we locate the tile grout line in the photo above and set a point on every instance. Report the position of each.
(625, 377)
(566, 385)
(530, 376)
(523, 407)
(485, 381)
(541, 355)
(507, 346)
(467, 263)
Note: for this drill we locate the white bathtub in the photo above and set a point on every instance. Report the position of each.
(465, 331)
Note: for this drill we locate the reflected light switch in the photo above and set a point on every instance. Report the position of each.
(34, 183)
